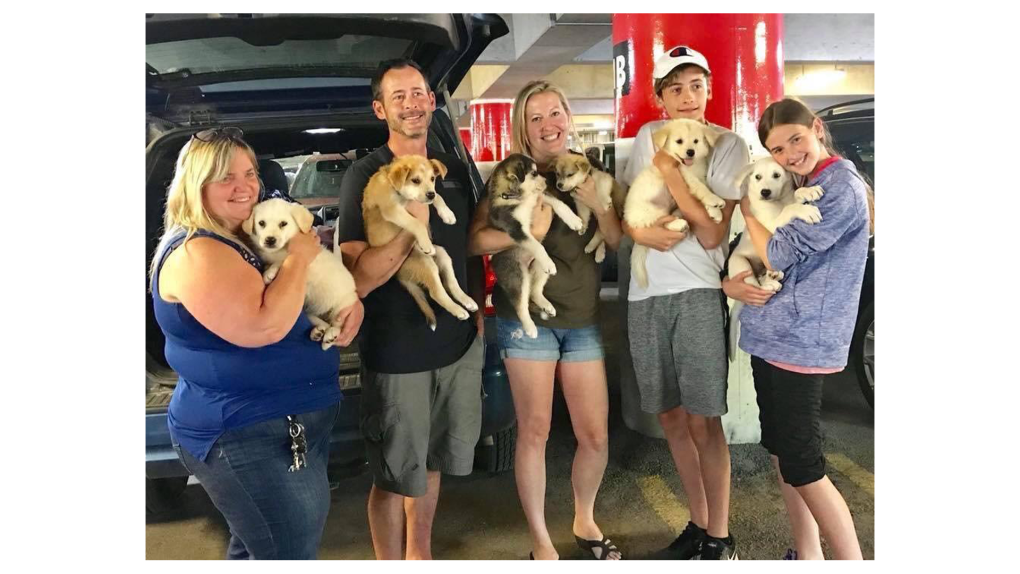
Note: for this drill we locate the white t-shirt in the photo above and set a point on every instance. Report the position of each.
(688, 265)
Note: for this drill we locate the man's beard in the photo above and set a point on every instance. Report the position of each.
(396, 125)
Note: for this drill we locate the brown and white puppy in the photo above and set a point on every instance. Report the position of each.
(330, 286)
(689, 142)
(571, 170)
(428, 267)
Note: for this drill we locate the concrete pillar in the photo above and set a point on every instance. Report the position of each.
(490, 129)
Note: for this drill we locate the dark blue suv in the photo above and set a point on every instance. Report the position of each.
(852, 125)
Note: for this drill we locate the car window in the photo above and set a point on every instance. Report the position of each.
(317, 175)
(855, 140)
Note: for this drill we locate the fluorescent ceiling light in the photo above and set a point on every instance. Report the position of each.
(324, 131)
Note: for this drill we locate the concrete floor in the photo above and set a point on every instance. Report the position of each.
(641, 504)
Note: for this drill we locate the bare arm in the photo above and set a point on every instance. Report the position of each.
(374, 266)
(476, 290)
(656, 236)
(610, 227)
(736, 288)
(228, 296)
(609, 223)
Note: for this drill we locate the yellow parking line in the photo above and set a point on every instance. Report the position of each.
(660, 497)
(856, 474)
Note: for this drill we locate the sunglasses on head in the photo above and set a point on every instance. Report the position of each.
(210, 135)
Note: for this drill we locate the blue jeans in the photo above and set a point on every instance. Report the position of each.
(273, 514)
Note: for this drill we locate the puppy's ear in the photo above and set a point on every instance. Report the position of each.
(438, 167)
(554, 166)
(586, 167)
(398, 175)
(711, 136)
(248, 224)
(513, 180)
(659, 137)
(743, 178)
(302, 217)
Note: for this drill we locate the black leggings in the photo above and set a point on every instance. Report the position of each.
(790, 408)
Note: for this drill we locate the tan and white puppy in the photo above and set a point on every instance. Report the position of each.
(571, 170)
(428, 267)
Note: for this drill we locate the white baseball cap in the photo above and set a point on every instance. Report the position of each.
(676, 57)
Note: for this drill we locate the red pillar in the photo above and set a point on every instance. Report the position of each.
(465, 136)
(744, 51)
(490, 129)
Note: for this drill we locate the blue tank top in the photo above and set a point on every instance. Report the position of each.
(222, 386)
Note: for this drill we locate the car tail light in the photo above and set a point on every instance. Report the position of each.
(490, 285)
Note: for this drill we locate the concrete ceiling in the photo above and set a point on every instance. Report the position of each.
(575, 52)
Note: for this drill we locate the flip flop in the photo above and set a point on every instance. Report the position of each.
(605, 545)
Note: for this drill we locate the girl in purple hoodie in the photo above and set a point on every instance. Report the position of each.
(803, 332)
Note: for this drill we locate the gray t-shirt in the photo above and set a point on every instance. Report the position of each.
(688, 265)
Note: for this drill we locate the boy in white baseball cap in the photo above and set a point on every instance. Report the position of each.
(676, 326)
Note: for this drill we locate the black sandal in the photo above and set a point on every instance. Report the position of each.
(605, 545)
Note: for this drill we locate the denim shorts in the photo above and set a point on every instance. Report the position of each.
(563, 345)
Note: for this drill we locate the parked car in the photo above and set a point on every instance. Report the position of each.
(852, 126)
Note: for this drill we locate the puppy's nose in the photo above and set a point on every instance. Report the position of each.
(765, 193)
(430, 195)
(270, 241)
(559, 186)
(690, 153)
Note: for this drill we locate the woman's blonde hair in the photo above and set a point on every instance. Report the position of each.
(519, 121)
(199, 163)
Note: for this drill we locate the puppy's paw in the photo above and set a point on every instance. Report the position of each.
(548, 311)
(678, 225)
(600, 253)
(531, 331)
(546, 265)
(460, 313)
(808, 194)
(574, 222)
(715, 201)
(714, 213)
(317, 333)
(447, 216)
(470, 305)
(427, 249)
(329, 337)
(770, 281)
(809, 213)
(270, 274)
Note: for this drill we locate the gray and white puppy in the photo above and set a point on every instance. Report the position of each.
(513, 190)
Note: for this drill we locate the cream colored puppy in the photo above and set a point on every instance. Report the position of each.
(690, 143)
(330, 286)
